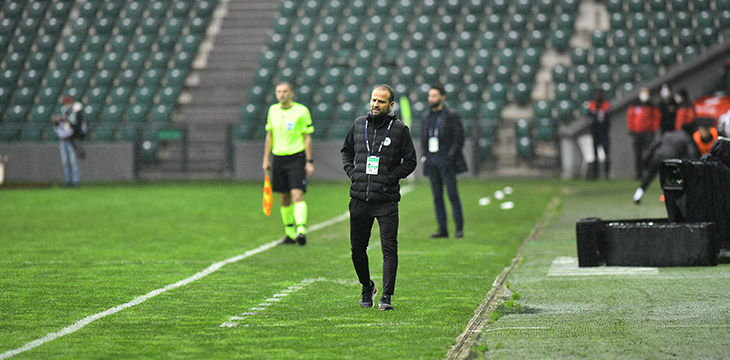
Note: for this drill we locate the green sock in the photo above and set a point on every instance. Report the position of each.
(287, 217)
(300, 217)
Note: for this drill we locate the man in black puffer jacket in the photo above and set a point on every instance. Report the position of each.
(378, 151)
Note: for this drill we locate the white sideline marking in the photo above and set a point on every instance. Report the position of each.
(568, 266)
(211, 269)
(256, 310)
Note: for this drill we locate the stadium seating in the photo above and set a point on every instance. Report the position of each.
(113, 50)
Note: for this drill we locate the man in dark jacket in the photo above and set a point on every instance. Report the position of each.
(377, 153)
(670, 145)
(442, 138)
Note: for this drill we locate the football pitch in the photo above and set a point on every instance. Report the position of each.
(192, 270)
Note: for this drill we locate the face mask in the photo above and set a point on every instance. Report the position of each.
(678, 99)
(644, 97)
(665, 93)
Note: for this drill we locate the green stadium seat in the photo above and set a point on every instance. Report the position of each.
(604, 73)
(664, 37)
(364, 58)
(375, 24)
(546, 128)
(91, 112)
(31, 132)
(584, 92)
(383, 75)
(536, 38)
(28, 26)
(626, 74)
(507, 57)
(722, 5)
(80, 27)
(31, 78)
(14, 61)
(658, 5)
(5, 95)
(80, 79)
(137, 113)
(618, 21)
(686, 37)
(17, 113)
(645, 56)
(96, 95)
(111, 61)
(689, 52)
(682, 20)
(322, 113)
(489, 40)
(454, 74)
(436, 58)
(668, 55)
(708, 36)
(503, 74)
(498, 92)
(113, 113)
(359, 75)
(24, 95)
(120, 95)
(601, 56)
(526, 73)
(563, 91)
(680, 5)
(559, 40)
(624, 55)
(329, 24)
(642, 37)
(309, 75)
(565, 22)
(157, 9)
(406, 75)
(565, 110)
(127, 132)
(648, 72)
(346, 112)
(513, 39)
(182, 59)
(636, 6)
(459, 57)
(128, 77)
(161, 113)
(168, 95)
(523, 128)
(418, 40)
(142, 44)
(352, 94)
(251, 114)
(701, 5)
(287, 74)
(581, 73)
(599, 38)
(47, 95)
(158, 61)
(103, 78)
(579, 56)
(661, 20)
(724, 19)
(543, 109)
(560, 73)
(41, 114)
(288, 9)
(521, 93)
(499, 7)
(478, 73)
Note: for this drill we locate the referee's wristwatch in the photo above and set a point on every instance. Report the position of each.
(311, 161)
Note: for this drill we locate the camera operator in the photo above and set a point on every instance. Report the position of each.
(70, 127)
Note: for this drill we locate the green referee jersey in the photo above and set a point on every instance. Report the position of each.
(287, 127)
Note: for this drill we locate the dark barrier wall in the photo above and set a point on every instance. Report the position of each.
(33, 162)
(247, 157)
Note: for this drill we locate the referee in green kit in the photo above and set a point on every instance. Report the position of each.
(288, 138)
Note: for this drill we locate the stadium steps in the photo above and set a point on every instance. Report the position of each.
(241, 30)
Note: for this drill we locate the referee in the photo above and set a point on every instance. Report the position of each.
(288, 137)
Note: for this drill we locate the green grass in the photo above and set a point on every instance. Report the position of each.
(678, 313)
(68, 254)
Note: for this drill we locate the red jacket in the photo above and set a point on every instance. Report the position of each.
(642, 118)
(685, 115)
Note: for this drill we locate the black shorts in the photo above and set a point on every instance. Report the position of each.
(287, 173)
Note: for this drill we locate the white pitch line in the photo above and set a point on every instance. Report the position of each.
(211, 269)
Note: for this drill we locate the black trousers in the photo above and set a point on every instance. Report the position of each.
(362, 216)
(439, 177)
(600, 139)
(641, 142)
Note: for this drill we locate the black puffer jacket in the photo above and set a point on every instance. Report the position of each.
(397, 159)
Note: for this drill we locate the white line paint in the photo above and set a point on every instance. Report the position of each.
(233, 321)
(211, 269)
(568, 266)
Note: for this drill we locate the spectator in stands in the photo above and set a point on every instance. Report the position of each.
(685, 109)
(670, 145)
(705, 135)
(642, 121)
(667, 109)
(376, 154)
(598, 111)
(442, 139)
(69, 127)
(289, 138)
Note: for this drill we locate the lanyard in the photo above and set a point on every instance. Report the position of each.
(434, 131)
(367, 144)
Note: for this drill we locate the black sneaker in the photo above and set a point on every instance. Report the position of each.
(384, 303)
(459, 234)
(440, 234)
(368, 296)
(286, 240)
(302, 239)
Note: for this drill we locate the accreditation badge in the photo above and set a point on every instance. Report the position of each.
(371, 167)
(433, 144)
